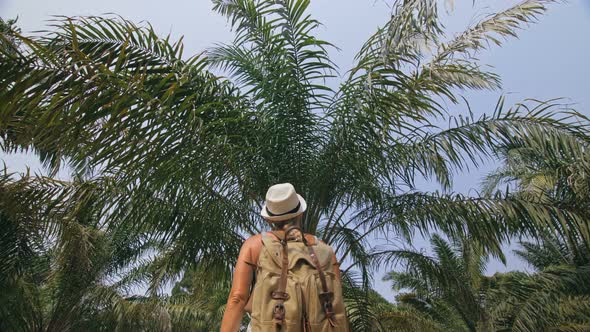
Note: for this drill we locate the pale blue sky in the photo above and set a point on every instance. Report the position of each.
(550, 59)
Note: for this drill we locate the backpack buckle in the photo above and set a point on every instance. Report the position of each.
(279, 308)
(279, 296)
(327, 296)
(326, 299)
(328, 307)
(279, 312)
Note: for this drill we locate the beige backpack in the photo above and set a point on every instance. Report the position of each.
(296, 289)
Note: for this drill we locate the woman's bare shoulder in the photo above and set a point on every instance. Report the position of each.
(253, 240)
(311, 239)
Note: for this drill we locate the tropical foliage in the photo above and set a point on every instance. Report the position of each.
(451, 293)
(62, 271)
(556, 298)
(450, 290)
(172, 162)
(551, 167)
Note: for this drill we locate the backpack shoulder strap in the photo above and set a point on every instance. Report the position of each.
(281, 295)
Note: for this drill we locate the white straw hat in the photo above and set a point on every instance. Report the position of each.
(282, 203)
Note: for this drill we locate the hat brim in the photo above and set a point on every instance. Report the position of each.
(302, 208)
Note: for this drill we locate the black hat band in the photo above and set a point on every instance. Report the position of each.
(282, 214)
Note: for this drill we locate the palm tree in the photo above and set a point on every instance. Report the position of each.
(449, 290)
(61, 269)
(208, 288)
(185, 156)
(553, 168)
(555, 298)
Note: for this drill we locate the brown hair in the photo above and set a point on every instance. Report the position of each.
(282, 225)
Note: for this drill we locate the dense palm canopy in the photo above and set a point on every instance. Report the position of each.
(449, 291)
(555, 298)
(61, 270)
(178, 159)
(552, 167)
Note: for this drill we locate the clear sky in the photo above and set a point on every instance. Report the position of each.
(550, 58)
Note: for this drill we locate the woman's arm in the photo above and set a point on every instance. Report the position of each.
(336, 266)
(240, 291)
